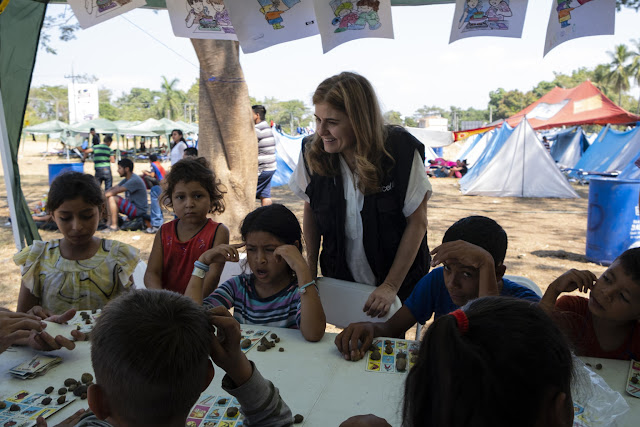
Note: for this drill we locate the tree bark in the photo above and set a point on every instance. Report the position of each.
(227, 135)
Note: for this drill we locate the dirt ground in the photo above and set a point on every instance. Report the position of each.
(546, 236)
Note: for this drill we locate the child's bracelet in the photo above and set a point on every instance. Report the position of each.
(201, 265)
(303, 289)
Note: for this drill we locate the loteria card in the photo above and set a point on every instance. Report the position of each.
(392, 355)
(633, 380)
(23, 408)
(215, 411)
(38, 365)
(253, 334)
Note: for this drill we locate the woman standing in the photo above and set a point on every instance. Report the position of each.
(365, 191)
(179, 145)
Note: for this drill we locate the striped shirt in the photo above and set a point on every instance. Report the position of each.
(266, 147)
(281, 310)
(102, 156)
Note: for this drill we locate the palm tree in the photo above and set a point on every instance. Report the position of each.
(171, 99)
(634, 68)
(619, 70)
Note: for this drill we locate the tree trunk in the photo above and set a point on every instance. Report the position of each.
(227, 135)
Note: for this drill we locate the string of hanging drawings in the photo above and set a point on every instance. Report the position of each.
(258, 24)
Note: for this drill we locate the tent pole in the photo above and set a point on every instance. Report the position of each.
(9, 180)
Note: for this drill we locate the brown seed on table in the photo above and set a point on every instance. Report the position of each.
(588, 364)
(73, 386)
(414, 358)
(277, 339)
(62, 399)
(599, 366)
(94, 311)
(69, 381)
(14, 408)
(246, 343)
(401, 364)
(79, 390)
(297, 419)
(375, 355)
(232, 412)
(48, 390)
(222, 402)
(388, 349)
(281, 349)
(83, 396)
(86, 378)
(87, 322)
(62, 390)
(373, 347)
(262, 348)
(46, 400)
(402, 355)
(272, 344)
(273, 336)
(387, 342)
(2, 405)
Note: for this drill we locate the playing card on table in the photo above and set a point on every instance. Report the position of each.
(38, 365)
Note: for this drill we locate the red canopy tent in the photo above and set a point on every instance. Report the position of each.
(584, 104)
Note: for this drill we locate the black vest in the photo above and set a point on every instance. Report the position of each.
(383, 222)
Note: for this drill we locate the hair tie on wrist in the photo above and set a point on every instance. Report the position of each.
(462, 320)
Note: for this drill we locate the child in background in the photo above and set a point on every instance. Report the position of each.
(495, 362)
(152, 374)
(606, 324)
(190, 152)
(193, 191)
(80, 270)
(472, 254)
(280, 291)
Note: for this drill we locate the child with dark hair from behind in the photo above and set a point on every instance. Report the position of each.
(280, 290)
(151, 374)
(607, 323)
(495, 362)
(472, 254)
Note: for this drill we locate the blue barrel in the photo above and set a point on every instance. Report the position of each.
(613, 224)
(56, 169)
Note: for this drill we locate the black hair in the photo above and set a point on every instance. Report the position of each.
(154, 372)
(275, 219)
(126, 163)
(153, 158)
(107, 139)
(260, 111)
(191, 151)
(92, 130)
(179, 133)
(503, 367)
(192, 169)
(70, 186)
(630, 262)
(480, 231)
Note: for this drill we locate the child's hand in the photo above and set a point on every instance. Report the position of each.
(291, 255)
(36, 310)
(573, 279)
(225, 348)
(16, 327)
(45, 342)
(463, 252)
(348, 340)
(221, 253)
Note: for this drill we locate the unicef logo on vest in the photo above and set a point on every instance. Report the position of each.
(389, 187)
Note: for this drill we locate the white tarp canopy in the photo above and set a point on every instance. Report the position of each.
(522, 168)
(431, 138)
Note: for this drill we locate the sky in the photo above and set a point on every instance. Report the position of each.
(418, 67)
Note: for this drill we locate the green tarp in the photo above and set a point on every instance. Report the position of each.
(52, 126)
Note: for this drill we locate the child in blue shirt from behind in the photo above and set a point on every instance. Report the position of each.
(472, 255)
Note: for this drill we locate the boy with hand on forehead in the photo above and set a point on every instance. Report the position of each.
(150, 352)
(472, 255)
(607, 323)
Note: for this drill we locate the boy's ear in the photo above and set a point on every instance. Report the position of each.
(98, 402)
(500, 270)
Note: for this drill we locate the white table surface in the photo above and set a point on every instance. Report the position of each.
(313, 379)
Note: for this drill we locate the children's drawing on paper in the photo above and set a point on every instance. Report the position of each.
(102, 6)
(273, 10)
(355, 14)
(198, 15)
(91, 12)
(475, 17)
(222, 16)
(564, 9)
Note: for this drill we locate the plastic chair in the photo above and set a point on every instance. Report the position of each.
(342, 302)
(527, 283)
(138, 275)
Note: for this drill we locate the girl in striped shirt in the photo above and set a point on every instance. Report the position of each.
(279, 291)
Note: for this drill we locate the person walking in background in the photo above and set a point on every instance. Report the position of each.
(266, 155)
(94, 137)
(545, 142)
(103, 156)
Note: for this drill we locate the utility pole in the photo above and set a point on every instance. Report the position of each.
(490, 113)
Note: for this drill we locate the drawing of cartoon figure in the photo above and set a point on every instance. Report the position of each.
(345, 16)
(199, 13)
(88, 6)
(472, 8)
(368, 14)
(104, 5)
(564, 12)
(498, 10)
(272, 9)
(222, 16)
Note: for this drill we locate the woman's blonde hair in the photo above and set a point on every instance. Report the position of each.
(352, 94)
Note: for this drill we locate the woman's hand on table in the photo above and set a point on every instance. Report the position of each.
(380, 300)
(347, 340)
(69, 422)
(365, 421)
(225, 348)
(17, 327)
